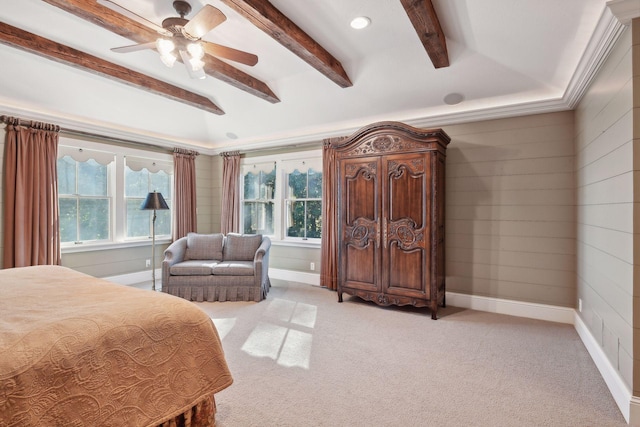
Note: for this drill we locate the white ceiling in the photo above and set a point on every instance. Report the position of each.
(507, 57)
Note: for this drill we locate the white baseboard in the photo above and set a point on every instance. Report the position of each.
(629, 405)
(295, 276)
(134, 278)
(551, 313)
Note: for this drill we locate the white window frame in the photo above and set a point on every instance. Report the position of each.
(153, 165)
(105, 158)
(284, 163)
(116, 188)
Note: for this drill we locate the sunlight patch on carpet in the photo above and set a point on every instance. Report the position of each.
(288, 347)
(224, 326)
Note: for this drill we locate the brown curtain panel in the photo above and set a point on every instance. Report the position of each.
(230, 221)
(329, 242)
(31, 228)
(184, 193)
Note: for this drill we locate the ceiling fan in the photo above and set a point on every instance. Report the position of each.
(184, 36)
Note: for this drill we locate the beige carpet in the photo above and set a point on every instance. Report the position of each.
(300, 358)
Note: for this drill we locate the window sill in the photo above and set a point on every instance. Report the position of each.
(89, 247)
(297, 244)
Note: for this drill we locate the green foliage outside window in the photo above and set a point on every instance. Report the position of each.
(258, 205)
(304, 204)
(84, 202)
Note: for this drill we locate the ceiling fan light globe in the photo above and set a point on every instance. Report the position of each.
(165, 46)
(168, 59)
(196, 64)
(195, 50)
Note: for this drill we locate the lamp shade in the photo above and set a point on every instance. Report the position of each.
(154, 201)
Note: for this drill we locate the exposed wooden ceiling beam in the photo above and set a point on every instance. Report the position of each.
(17, 38)
(128, 28)
(425, 21)
(265, 16)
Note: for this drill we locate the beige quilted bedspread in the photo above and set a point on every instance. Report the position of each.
(81, 351)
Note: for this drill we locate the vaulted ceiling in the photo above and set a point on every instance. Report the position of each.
(424, 62)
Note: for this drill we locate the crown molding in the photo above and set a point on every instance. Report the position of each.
(624, 10)
(607, 32)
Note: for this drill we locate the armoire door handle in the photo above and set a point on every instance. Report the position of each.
(384, 232)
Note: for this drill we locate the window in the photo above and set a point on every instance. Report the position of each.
(303, 201)
(282, 196)
(259, 199)
(143, 176)
(100, 193)
(83, 195)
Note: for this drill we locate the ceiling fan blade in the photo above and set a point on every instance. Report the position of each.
(129, 14)
(204, 21)
(194, 74)
(134, 47)
(230, 53)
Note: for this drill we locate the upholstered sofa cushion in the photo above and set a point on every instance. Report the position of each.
(241, 247)
(204, 246)
(193, 268)
(234, 268)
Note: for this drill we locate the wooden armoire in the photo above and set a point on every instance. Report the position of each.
(390, 201)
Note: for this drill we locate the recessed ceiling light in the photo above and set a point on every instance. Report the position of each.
(232, 135)
(453, 99)
(360, 22)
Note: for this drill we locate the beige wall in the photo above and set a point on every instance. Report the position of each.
(510, 228)
(605, 208)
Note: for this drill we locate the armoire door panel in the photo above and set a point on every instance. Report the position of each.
(406, 226)
(408, 187)
(408, 272)
(361, 266)
(360, 190)
(360, 207)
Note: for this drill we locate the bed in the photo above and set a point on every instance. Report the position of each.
(80, 351)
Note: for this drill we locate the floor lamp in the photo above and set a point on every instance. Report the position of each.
(154, 201)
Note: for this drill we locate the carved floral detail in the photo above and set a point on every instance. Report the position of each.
(405, 233)
(360, 233)
(383, 144)
(397, 169)
(368, 170)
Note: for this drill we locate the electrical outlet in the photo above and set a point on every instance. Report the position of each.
(580, 305)
(312, 266)
(147, 263)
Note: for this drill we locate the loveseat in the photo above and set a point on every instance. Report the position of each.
(215, 267)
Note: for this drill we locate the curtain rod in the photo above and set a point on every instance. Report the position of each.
(116, 140)
(95, 136)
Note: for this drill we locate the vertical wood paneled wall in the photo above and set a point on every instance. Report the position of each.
(208, 193)
(510, 209)
(605, 207)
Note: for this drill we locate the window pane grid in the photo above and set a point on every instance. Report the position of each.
(258, 202)
(304, 204)
(282, 194)
(96, 206)
(84, 201)
(138, 184)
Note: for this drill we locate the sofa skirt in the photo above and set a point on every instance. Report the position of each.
(216, 292)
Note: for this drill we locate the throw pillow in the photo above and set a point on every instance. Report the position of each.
(241, 247)
(204, 246)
